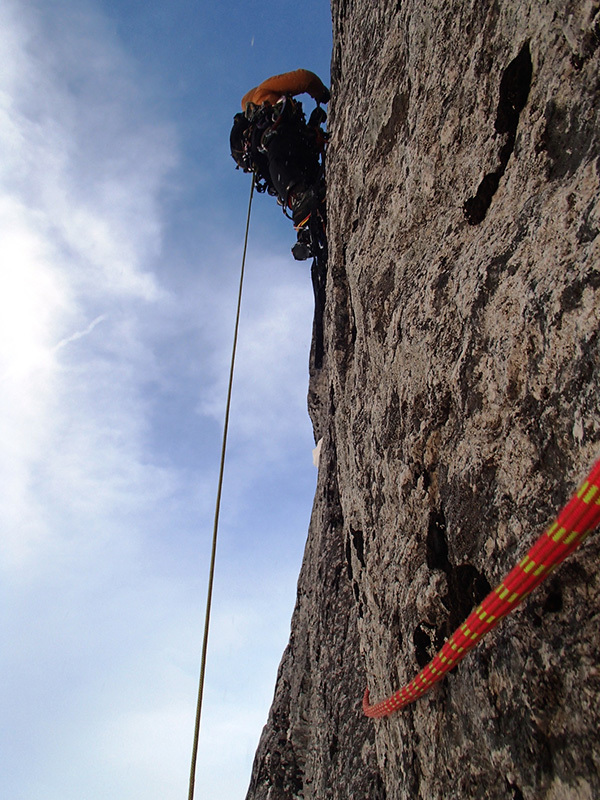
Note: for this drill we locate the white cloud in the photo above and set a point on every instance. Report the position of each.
(271, 372)
(77, 150)
(101, 531)
(80, 175)
(73, 337)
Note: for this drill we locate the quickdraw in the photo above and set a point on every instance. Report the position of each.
(575, 522)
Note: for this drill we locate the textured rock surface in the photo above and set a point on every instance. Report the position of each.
(459, 405)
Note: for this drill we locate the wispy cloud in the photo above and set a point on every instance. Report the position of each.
(82, 167)
(80, 225)
(271, 362)
(102, 506)
(73, 337)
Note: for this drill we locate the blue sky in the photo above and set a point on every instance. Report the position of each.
(121, 221)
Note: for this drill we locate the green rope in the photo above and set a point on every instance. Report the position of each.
(217, 510)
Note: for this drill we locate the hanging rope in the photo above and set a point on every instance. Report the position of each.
(211, 574)
(575, 522)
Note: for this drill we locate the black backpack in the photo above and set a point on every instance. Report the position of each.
(239, 142)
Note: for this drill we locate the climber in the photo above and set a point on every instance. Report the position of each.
(272, 139)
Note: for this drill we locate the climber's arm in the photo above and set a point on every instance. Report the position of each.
(296, 82)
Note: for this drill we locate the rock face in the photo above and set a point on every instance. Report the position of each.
(458, 402)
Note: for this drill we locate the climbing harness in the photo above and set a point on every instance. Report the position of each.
(213, 555)
(574, 523)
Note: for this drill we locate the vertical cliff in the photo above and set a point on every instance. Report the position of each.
(458, 402)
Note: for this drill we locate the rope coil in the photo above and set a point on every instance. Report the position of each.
(573, 525)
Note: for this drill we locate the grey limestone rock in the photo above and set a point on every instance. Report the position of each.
(458, 402)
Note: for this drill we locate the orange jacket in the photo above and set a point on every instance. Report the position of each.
(296, 82)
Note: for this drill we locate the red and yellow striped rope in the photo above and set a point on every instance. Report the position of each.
(575, 522)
